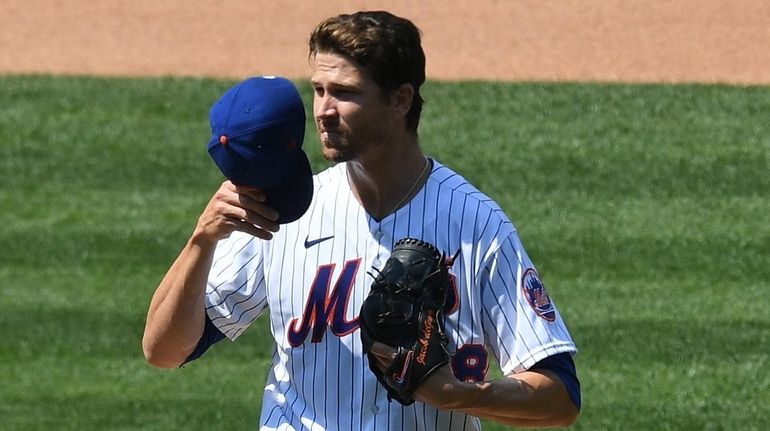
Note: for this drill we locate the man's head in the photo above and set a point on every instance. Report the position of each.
(387, 47)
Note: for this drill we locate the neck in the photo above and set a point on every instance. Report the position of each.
(388, 182)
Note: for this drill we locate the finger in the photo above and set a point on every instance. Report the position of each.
(243, 210)
(252, 192)
(246, 195)
(256, 219)
(381, 364)
(246, 207)
(253, 230)
(384, 352)
(247, 220)
(249, 203)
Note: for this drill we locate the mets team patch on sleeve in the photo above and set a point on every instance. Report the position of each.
(537, 297)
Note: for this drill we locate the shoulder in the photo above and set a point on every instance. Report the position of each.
(455, 195)
(465, 217)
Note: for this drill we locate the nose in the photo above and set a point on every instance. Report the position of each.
(324, 107)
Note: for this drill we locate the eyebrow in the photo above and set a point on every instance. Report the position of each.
(337, 85)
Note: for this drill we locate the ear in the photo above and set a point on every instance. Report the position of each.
(401, 98)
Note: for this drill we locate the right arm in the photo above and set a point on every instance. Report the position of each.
(176, 316)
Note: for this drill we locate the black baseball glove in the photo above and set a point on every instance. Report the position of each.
(405, 310)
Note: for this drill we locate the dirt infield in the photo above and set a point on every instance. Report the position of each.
(574, 40)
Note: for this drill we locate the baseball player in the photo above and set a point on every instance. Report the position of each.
(311, 275)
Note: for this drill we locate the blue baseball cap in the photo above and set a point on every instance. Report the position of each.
(257, 129)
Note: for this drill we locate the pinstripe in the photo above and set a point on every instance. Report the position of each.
(238, 320)
(233, 279)
(514, 301)
(495, 325)
(471, 298)
(533, 332)
(327, 380)
(215, 265)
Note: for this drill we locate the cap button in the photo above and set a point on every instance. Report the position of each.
(223, 140)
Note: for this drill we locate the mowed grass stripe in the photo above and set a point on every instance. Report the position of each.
(645, 208)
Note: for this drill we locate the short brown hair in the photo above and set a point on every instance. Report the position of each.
(386, 46)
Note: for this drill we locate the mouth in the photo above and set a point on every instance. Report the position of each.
(329, 136)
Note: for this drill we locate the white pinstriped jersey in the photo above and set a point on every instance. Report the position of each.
(312, 277)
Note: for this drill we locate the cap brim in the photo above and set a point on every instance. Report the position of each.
(292, 197)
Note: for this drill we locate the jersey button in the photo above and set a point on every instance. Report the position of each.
(378, 235)
(375, 409)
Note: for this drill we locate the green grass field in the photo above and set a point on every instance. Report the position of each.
(645, 207)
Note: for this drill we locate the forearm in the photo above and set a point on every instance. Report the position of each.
(531, 399)
(176, 316)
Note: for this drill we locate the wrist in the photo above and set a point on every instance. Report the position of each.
(201, 238)
(456, 395)
(467, 395)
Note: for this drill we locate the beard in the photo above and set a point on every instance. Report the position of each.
(337, 148)
(341, 144)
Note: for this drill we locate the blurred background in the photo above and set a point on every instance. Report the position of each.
(595, 40)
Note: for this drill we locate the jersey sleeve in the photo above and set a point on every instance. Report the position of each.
(235, 291)
(521, 323)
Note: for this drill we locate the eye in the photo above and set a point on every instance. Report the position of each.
(343, 93)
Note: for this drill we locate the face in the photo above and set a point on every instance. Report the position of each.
(351, 113)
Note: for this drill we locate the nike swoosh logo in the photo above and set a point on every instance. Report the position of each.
(309, 243)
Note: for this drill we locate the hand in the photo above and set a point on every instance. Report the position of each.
(384, 354)
(236, 208)
(440, 388)
(530, 399)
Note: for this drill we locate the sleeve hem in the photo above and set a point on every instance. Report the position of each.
(538, 355)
